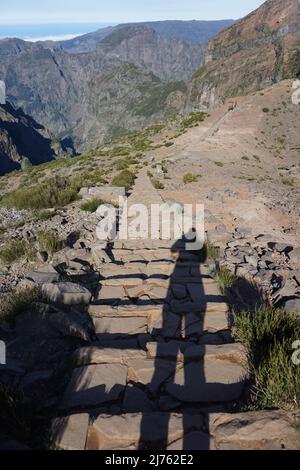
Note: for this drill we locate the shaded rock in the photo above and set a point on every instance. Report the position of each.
(66, 293)
(43, 278)
(94, 385)
(151, 373)
(207, 381)
(261, 430)
(252, 260)
(292, 305)
(70, 433)
(73, 323)
(128, 431)
(280, 247)
(135, 400)
(122, 326)
(294, 255)
(166, 324)
(193, 441)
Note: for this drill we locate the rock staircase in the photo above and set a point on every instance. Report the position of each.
(163, 371)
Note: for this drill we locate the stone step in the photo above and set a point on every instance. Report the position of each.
(94, 385)
(157, 320)
(119, 327)
(252, 430)
(204, 375)
(189, 351)
(97, 354)
(96, 310)
(140, 430)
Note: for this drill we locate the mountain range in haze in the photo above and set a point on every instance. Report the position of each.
(120, 79)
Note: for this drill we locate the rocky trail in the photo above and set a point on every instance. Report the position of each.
(162, 370)
(130, 346)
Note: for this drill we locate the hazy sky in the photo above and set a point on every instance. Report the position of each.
(115, 11)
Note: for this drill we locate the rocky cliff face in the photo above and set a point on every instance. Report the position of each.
(258, 51)
(137, 98)
(168, 58)
(70, 93)
(22, 141)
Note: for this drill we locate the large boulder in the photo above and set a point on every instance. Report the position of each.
(66, 293)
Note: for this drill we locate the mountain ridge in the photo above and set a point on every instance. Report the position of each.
(260, 50)
(195, 32)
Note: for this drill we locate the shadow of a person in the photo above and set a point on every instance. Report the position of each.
(188, 264)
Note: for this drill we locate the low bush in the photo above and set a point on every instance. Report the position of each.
(16, 249)
(54, 192)
(92, 205)
(49, 242)
(288, 182)
(44, 215)
(125, 179)
(189, 178)
(225, 278)
(193, 119)
(269, 334)
(157, 184)
(14, 303)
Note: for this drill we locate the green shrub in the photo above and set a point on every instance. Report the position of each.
(157, 184)
(209, 252)
(125, 164)
(169, 144)
(225, 278)
(288, 182)
(220, 164)
(54, 192)
(189, 178)
(193, 118)
(44, 215)
(49, 242)
(125, 179)
(122, 165)
(14, 303)
(16, 249)
(266, 110)
(92, 205)
(269, 334)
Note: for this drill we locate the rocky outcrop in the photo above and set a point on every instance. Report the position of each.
(258, 51)
(22, 141)
(122, 100)
(167, 58)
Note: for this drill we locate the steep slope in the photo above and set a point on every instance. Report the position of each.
(22, 140)
(195, 32)
(258, 51)
(168, 58)
(55, 87)
(125, 99)
(45, 82)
